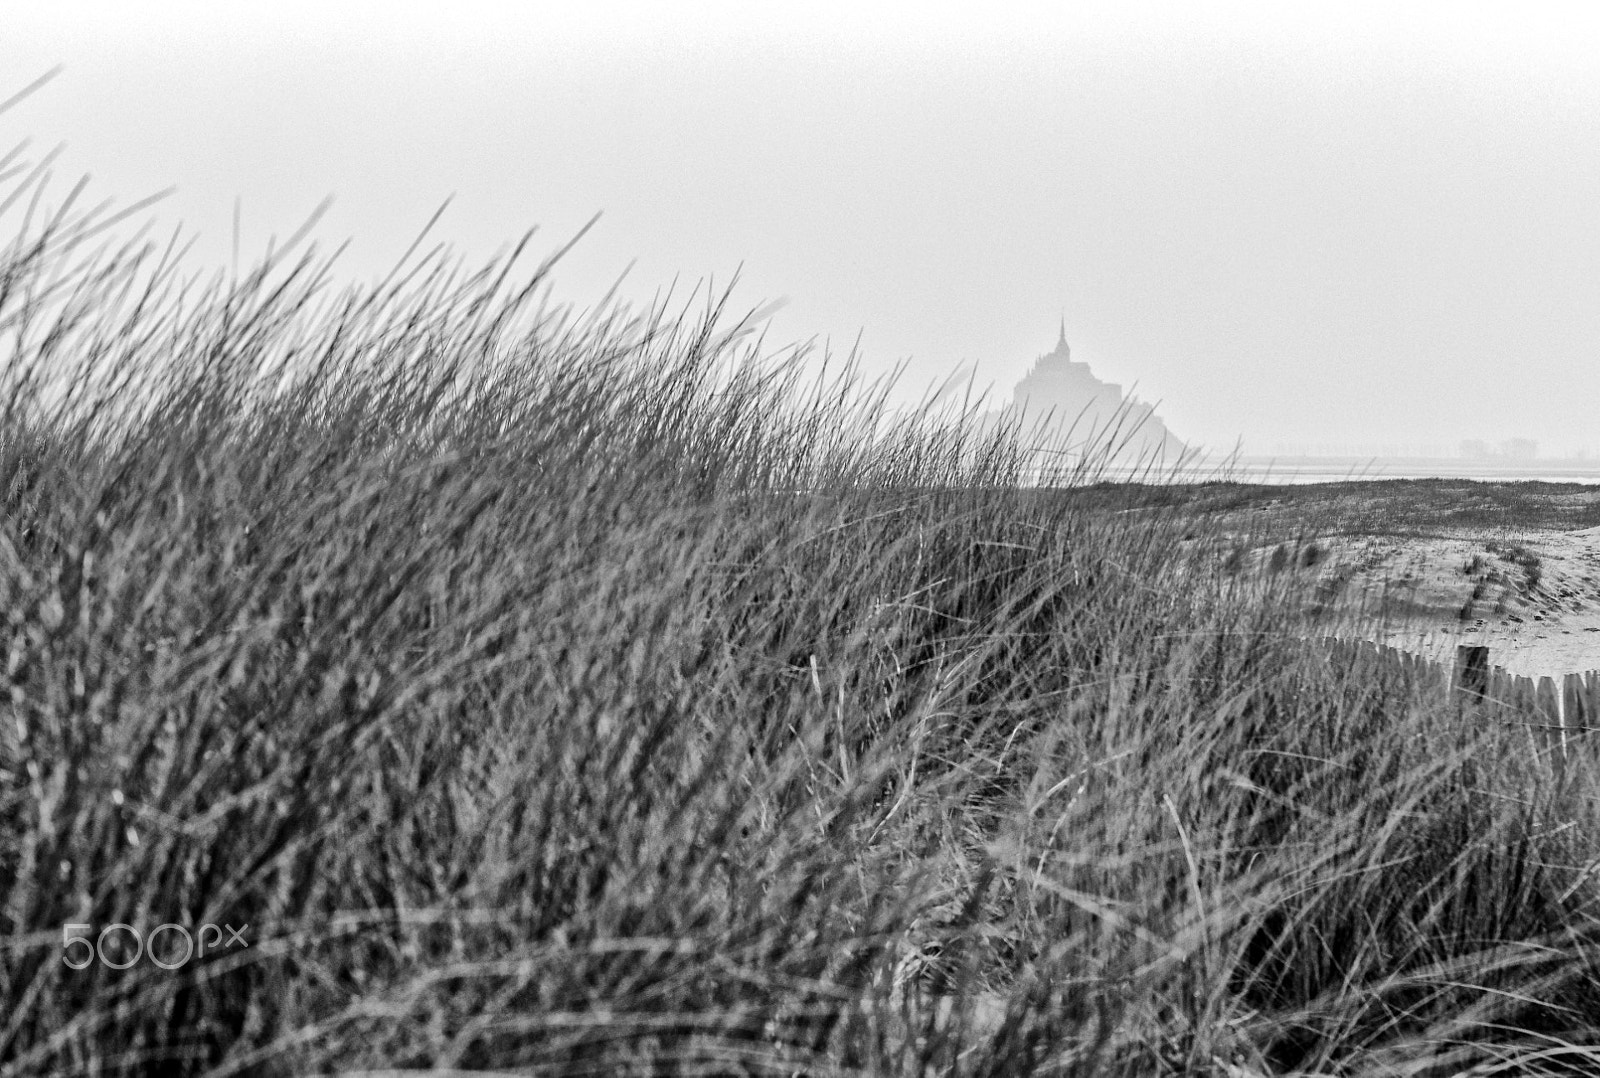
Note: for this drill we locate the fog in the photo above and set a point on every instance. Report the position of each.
(1347, 227)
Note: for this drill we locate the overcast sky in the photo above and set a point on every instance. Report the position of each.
(1340, 224)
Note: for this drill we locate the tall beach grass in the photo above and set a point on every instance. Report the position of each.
(599, 693)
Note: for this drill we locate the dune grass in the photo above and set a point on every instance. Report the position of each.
(593, 695)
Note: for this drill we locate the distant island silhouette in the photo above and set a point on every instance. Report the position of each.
(1061, 398)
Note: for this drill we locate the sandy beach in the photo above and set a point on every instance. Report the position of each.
(1533, 598)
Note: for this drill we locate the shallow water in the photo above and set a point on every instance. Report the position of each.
(1303, 470)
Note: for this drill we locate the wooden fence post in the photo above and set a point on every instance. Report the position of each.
(1471, 673)
(1572, 702)
(1519, 695)
(1547, 705)
(1502, 688)
(1574, 711)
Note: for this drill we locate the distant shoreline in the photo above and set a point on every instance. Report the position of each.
(1297, 470)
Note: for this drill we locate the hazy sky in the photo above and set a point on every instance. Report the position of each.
(1344, 223)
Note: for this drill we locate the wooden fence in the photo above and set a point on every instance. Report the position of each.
(1556, 710)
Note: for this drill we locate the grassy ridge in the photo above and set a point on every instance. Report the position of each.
(593, 696)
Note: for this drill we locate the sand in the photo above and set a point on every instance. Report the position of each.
(1532, 598)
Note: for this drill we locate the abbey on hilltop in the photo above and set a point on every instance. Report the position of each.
(1088, 411)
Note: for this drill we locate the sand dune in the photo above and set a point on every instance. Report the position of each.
(1532, 598)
